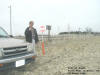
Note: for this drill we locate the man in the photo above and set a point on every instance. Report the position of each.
(31, 33)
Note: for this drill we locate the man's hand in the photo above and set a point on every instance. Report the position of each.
(38, 45)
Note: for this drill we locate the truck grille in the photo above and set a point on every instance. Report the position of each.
(12, 51)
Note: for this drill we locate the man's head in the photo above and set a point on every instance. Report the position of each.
(31, 23)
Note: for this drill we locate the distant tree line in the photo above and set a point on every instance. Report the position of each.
(79, 32)
(88, 30)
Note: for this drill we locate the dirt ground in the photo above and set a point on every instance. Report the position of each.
(71, 56)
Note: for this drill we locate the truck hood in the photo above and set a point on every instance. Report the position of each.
(11, 42)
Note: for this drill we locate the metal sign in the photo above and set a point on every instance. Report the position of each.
(48, 27)
(42, 28)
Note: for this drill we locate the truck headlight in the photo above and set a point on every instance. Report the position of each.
(30, 47)
(1, 53)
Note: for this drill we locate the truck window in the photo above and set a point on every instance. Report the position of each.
(3, 33)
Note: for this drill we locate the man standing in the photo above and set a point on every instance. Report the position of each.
(31, 34)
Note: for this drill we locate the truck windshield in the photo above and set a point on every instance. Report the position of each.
(3, 33)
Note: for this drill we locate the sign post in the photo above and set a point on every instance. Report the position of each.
(43, 30)
(48, 27)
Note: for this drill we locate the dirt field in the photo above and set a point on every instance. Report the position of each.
(71, 56)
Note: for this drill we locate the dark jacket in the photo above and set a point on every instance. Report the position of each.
(28, 35)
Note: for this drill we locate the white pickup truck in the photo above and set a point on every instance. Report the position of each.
(14, 52)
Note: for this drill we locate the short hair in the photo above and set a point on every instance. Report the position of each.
(31, 22)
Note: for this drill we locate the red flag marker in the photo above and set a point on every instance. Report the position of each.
(43, 49)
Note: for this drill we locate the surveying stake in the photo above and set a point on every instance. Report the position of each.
(43, 30)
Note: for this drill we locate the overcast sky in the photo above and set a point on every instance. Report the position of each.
(57, 13)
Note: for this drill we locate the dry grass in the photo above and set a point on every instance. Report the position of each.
(61, 54)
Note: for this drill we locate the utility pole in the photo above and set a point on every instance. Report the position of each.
(10, 20)
(10, 7)
(68, 28)
(69, 31)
